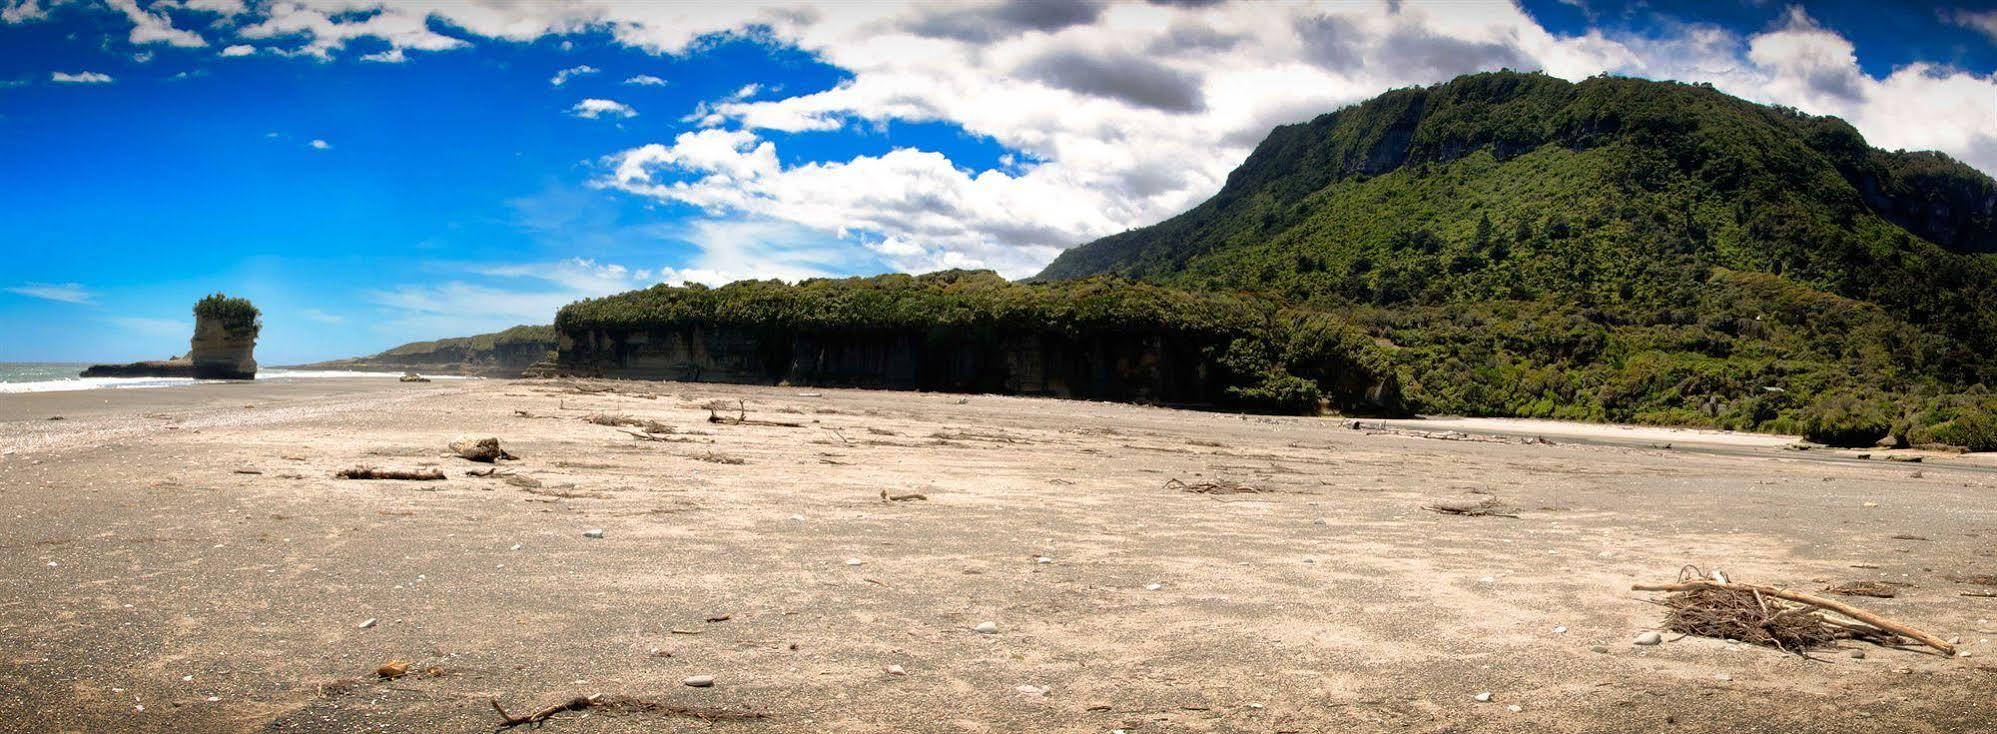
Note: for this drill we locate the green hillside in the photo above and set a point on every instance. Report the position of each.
(1615, 249)
(505, 353)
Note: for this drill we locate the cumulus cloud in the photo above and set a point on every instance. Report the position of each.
(22, 11)
(63, 292)
(318, 144)
(594, 108)
(563, 76)
(1984, 22)
(646, 80)
(1127, 112)
(151, 27)
(325, 26)
(240, 49)
(81, 77)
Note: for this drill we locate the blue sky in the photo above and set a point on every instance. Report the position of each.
(372, 174)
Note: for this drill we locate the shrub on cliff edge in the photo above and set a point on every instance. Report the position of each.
(236, 315)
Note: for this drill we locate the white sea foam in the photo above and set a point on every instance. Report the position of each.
(63, 384)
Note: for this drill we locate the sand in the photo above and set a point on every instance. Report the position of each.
(148, 584)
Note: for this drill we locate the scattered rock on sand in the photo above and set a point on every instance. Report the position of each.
(699, 681)
(1858, 654)
(1484, 697)
(1599, 648)
(896, 670)
(369, 622)
(1648, 637)
(1153, 587)
(593, 533)
(987, 628)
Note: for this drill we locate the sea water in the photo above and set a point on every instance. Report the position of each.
(20, 377)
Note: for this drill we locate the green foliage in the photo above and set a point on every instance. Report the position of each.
(1847, 419)
(476, 344)
(1271, 358)
(1976, 431)
(234, 314)
(1616, 249)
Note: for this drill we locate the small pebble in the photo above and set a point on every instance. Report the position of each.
(699, 681)
(1032, 690)
(896, 670)
(593, 533)
(1599, 648)
(1858, 654)
(1514, 708)
(517, 546)
(987, 628)
(1043, 559)
(1488, 580)
(369, 622)
(1722, 677)
(1153, 587)
(854, 561)
(1484, 697)
(1649, 637)
(1560, 630)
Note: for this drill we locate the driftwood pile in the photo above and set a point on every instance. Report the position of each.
(1216, 486)
(485, 450)
(369, 472)
(1711, 605)
(617, 703)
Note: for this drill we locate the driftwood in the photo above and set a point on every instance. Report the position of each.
(369, 472)
(742, 418)
(1484, 507)
(509, 721)
(1217, 486)
(480, 449)
(1875, 622)
(885, 497)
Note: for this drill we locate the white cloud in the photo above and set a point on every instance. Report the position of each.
(595, 108)
(486, 298)
(64, 292)
(22, 11)
(154, 327)
(401, 26)
(1984, 22)
(563, 76)
(646, 80)
(391, 56)
(1128, 112)
(150, 27)
(240, 49)
(229, 8)
(318, 144)
(81, 77)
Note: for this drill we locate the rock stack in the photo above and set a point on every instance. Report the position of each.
(225, 339)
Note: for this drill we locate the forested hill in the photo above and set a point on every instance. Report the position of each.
(1616, 249)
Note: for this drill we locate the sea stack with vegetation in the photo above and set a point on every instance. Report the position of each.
(973, 331)
(223, 347)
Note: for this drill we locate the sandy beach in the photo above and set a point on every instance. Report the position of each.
(183, 559)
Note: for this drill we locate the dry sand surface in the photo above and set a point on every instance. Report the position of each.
(184, 560)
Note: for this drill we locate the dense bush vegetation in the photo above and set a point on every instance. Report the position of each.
(1616, 249)
(544, 335)
(1271, 357)
(234, 314)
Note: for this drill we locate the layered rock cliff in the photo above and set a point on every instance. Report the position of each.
(959, 331)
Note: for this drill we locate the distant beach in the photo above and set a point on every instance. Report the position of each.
(32, 377)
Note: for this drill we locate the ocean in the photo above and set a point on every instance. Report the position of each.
(22, 377)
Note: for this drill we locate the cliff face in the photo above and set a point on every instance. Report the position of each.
(1123, 368)
(220, 353)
